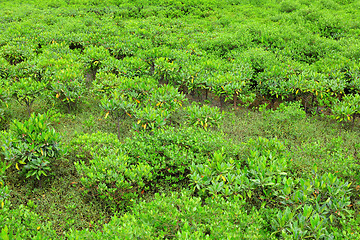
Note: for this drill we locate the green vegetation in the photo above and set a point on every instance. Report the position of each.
(172, 119)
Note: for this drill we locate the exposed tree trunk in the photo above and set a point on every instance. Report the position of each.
(272, 103)
(312, 100)
(221, 98)
(353, 121)
(152, 68)
(29, 110)
(29, 106)
(235, 97)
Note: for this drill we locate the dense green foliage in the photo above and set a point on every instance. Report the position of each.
(165, 119)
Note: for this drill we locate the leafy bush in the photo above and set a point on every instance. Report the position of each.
(4, 69)
(120, 172)
(106, 172)
(105, 83)
(68, 87)
(26, 91)
(204, 116)
(149, 118)
(167, 97)
(33, 144)
(348, 109)
(94, 57)
(315, 205)
(289, 6)
(17, 53)
(232, 84)
(289, 112)
(113, 178)
(166, 70)
(137, 89)
(118, 107)
(259, 174)
(181, 216)
(171, 151)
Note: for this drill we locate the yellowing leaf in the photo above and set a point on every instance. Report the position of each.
(316, 93)
(158, 104)
(17, 166)
(223, 178)
(297, 91)
(2, 204)
(138, 121)
(137, 101)
(57, 95)
(145, 126)
(38, 228)
(106, 115)
(128, 114)
(42, 152)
